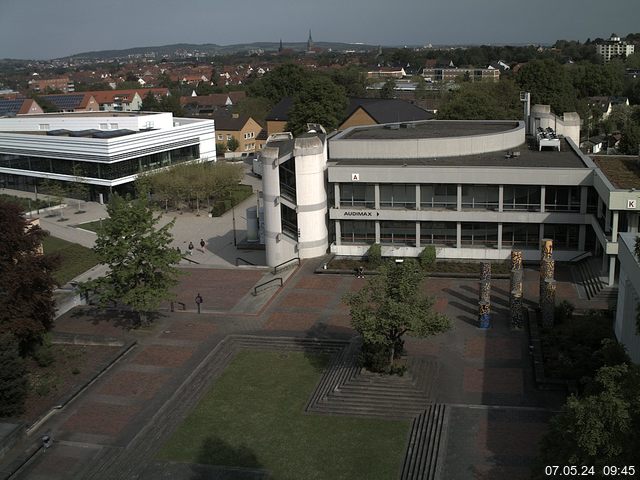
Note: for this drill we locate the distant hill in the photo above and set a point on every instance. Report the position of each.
(214, 49)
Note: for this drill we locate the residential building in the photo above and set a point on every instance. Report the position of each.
(62, 84)
(387, 72)
(241, 127)
(209, 104)
(73, 102)
(614, 47)
(18, 106)
(604, 105)
(109, 148)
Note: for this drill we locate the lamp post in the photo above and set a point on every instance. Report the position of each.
(233, 216)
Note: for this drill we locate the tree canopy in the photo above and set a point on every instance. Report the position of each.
(139, 255)
(318, 101)
(549, 83)
(283, 81)
(13, 380)
(391, 305)
(599, 428)
(26, 284)
(483, 101)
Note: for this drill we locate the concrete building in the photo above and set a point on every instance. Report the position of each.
(110, 149)
(63, 84)
(614, 47)
(450, 74)
(473, 189)
(626, 328)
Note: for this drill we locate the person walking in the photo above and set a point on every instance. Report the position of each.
(190, 247)
(202, 244)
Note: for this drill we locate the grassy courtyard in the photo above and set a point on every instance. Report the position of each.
(74, 259)
(253, 417)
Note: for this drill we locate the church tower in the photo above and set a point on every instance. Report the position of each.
(309, 42)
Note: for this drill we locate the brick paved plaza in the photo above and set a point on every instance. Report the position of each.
(495, 418)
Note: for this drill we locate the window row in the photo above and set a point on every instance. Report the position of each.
(106, 171)
(479, 197)
(444, 234)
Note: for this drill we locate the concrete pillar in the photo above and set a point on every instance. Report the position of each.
(612, 270)
(584, 191)
(336, 194)
(501, 198)
(541, 234)
(418, 198)
(377, 231)
(582, 236)
(376, 197)
(418, 234)
(500, 236)
(543, 192)
(458, 235)
(614, 227)
(459, 198)
(338, 232)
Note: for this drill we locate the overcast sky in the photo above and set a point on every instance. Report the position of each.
(42, 29)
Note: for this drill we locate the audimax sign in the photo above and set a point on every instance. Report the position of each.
(359, 213)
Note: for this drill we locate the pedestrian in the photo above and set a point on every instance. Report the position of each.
(361, 272)
(179, 251)
(190, 247)
(202, 244)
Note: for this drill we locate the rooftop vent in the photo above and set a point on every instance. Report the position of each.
(407, 125)
(392, 126)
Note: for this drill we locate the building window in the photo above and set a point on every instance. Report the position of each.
(289, 219)
(438, 233)
(398, 195)
(520, 235)
(398, 233)
(287, 174)
(357, 232)
(565, 237)
(521, 197)
(113, 126)
(439, 196)
(562, 199)
(44, 126)
(220, 137)
(480, 197)
(228, 137)
(480, 235)
(357, 195)
(103, 126)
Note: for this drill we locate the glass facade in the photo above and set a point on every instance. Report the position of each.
(104, 171)
(480, 197)
(439, 196)
(521, 197)
(562, 199)
(289, 219)
(480, 235)
(438, 233)
(564, 237)
(357, 195)
(398, 195)
(397, 233)
(357, 233)
(520, 235)
(287, 172)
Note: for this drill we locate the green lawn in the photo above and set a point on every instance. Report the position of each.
(91, 226)
(253, 417)
(74, 259)
(25, 203)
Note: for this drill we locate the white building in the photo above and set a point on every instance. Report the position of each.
(614, 47)
(626, 327)
(110, 149)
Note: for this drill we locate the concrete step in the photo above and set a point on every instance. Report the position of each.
(424, 444)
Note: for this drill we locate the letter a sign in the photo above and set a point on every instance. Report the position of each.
(355, 177)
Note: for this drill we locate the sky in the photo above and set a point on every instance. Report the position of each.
(44, 29)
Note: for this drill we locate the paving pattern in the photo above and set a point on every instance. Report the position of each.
(470, 392)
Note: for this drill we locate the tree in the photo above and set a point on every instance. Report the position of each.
(232, 144)
(26, 286)
(630, 139)
(483, 101)
(388, 88)
(600, 428)
(13, 379)
(150, 103)
(255, 107)
(549, 84)
(352, 79)
(319, 101)
(283, 81)
(139, 256)
(79, 189)
(391, 305)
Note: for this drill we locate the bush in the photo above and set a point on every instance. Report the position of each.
(374, 255)
(375, 357)
(43, 354)
(427, 257)
(564, 311)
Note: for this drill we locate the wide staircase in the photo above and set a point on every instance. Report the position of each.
(421, 457)
(584, 272)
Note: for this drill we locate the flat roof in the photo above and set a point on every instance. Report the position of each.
(428, 129)
(86, 114)
(623, 171)
(529, 157)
